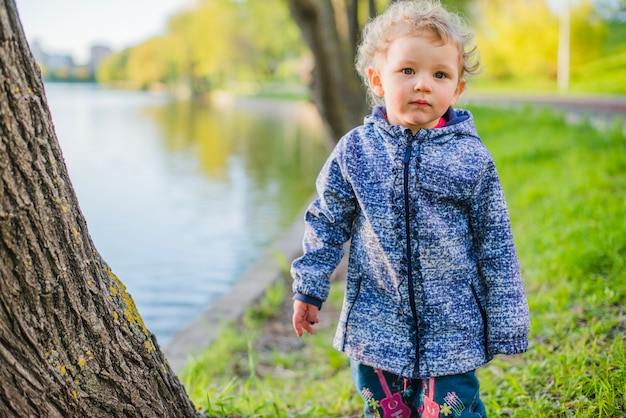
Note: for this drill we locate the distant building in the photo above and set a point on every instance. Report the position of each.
(38, 53)
(57, 63)
(98, 53)
(63, 66)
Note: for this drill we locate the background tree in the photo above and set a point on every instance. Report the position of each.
(72, 343)
(200, 47)
(336, 88)
(588, 34)
(269, 41)
(518, 39)
(508, 34)
(148, 65)
(214, 44)
(114, 69)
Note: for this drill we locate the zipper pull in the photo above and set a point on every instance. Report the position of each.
(407, 152)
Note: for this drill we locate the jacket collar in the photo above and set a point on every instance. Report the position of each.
(458, 121)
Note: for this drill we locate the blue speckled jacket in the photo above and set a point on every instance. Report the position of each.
(433, 285)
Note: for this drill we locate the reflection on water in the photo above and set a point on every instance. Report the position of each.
(181, 199)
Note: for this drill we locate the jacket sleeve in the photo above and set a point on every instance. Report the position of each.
(505, 303)
(328, 223)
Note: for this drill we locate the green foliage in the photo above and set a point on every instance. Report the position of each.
(270, 42)
(588, 35)
(147, 64)
(114, 68)
(615, 38)
(507, 50)
(519, 38)
(213, 43)
(519, 43)
(200, 43)
(605, 75)
(565, 186)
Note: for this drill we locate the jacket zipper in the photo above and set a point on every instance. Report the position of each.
(407, 226)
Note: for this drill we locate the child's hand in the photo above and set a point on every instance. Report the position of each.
(304, 317)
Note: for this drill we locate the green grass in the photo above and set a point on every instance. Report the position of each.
(241, 375)
(566, 189)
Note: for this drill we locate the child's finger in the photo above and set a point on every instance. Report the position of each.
(298, 329)
(308, 327)
(299, 324)
(303, 318)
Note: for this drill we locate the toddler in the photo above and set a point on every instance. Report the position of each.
(433, 288)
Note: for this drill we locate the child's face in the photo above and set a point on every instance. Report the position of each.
(419, 80)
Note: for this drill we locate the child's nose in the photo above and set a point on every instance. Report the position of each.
(422, 83)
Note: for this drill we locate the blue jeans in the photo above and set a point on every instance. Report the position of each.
(455, 396)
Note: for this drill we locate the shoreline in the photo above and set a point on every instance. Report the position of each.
(202, 331)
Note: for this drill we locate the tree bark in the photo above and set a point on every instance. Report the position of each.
(72, 343)
(336, 87)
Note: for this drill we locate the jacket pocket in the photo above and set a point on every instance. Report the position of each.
(483, 314)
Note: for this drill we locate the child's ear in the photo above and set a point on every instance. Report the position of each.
(375, 83)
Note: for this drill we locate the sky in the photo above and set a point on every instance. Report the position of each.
(73, 26)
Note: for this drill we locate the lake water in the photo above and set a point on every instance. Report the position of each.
(181, 199)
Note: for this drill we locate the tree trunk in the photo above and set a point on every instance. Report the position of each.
(72, 343)
(336, 87)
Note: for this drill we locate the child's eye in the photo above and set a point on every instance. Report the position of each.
(440, 74)
(407, 71)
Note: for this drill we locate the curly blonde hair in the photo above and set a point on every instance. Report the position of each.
(414, 18)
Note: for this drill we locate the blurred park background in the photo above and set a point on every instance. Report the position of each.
(254, 46)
